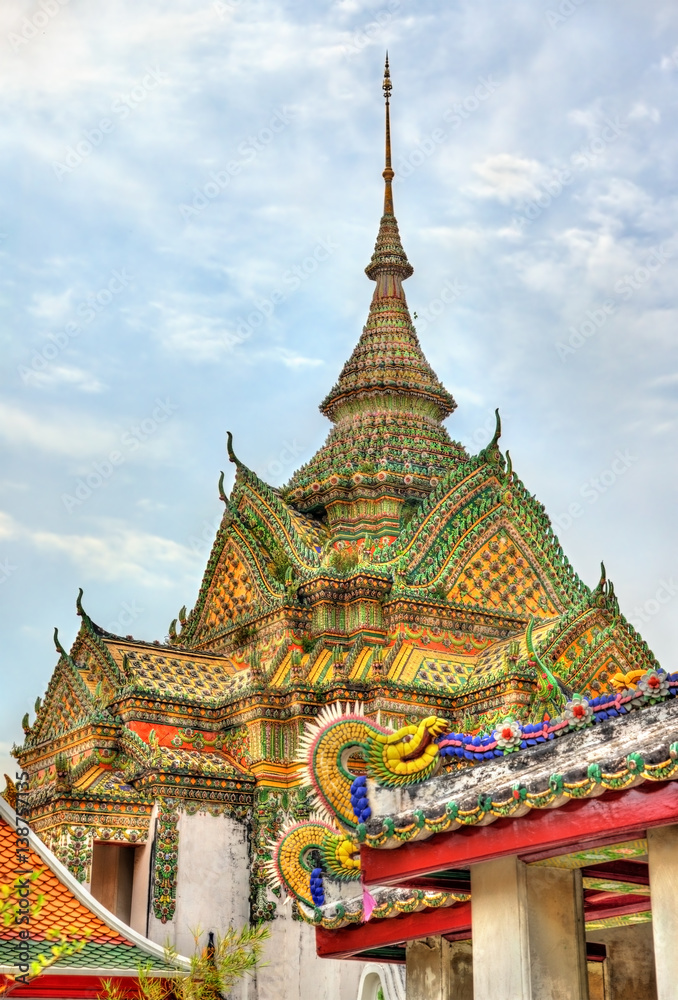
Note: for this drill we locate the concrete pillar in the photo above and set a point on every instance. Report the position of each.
(428, 969)
(528, 932)
(662, 856)
(628, 970)
(461, 970)
(439, 970)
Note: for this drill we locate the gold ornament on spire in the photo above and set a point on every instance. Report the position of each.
(388, 174)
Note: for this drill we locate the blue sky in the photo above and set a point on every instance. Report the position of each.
(190, 193)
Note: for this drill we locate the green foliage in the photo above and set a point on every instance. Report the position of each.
(407, 512)
(343, 561)
(9, 903)
(212, 973)
(380, 992)
(280, 564)
(242, 635)
(63, 946)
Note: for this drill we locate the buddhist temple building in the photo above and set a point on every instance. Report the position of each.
(395, 724)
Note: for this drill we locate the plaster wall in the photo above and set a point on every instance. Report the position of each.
(294, 971)
(212, 881)
(213, 892)
(629, 967)
(142, 873)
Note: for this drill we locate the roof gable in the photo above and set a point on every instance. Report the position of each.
(111, 944)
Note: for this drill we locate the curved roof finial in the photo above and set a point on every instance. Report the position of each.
(222, 495)
(232, 457)
(388, 174)
(59, 648)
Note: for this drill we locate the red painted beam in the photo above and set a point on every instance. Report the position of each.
(72, 987)
(613, 817)
(453, 921)
(593, 899)
(633, 904)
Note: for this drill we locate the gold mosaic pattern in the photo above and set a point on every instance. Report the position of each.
(416, 664)
(196, 762)
(170, 674)
(65, 707)
(500, 575)
(636, 849)
(498, 656)
(232, 592)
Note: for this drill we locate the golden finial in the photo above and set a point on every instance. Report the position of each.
(388, 174)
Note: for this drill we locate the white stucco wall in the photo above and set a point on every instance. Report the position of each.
(142, 872)
(294, 971)
(213, 893)
(212, 881)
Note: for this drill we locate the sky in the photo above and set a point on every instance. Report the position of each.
(189, 193)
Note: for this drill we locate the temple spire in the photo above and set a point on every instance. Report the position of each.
(388, 258)
(388, 442)
(388, 174)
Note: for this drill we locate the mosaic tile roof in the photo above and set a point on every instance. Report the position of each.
(175, 673)
(66, 908)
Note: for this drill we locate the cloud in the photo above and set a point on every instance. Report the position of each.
(507, 178)
(297, 361)
(55, 433)
(641, 112)
(198, 337)
(52, 308)
(120, 553)
(64, 375)
(8, 526)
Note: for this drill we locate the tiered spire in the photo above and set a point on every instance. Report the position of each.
(388, 359)
(388, 251)
(387, 405)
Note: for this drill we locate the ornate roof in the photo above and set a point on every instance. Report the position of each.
(112, 947)
(391, 795)
(388, 403)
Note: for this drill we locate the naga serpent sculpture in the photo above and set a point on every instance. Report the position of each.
(337, 751)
